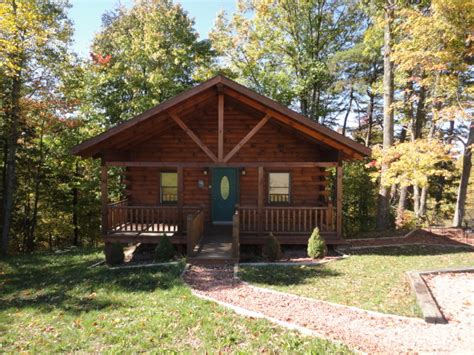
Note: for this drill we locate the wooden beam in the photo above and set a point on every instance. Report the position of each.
(180, 197)
(104, 198)
(193, 136)
(194, 164)
(220, 130)
(249, 136)
(339, 201)
(260, 198)
(294, 124)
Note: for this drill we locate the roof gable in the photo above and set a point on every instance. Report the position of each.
(274, 110)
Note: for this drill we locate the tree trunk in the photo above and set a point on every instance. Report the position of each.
(383, 208)
(10, 168)
(465, 175)
(13, 118)
(75, 200)
(370, 118)
(351, 98)
(416, 200)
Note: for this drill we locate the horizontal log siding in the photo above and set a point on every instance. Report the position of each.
(307, 187)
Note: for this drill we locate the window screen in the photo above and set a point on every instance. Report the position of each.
(279, 188)
(169, 187)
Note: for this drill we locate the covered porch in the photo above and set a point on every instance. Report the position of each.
(186, 224)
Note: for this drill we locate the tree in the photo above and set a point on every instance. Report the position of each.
(141, 57)
(459, 212)
(290, 62)
(383, 210)
(33, 38)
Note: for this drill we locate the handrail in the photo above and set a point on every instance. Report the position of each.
(195, 230)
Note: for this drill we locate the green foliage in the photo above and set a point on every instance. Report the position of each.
(271, 248)
(289, 62)
(359, 206)
(164, 251)
(114, 254)
(143, 56)
(412, 163)
(316, 245)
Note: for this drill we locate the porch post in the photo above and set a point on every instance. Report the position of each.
(339, 200)
(104, 196)
(261, 197)
(180, 199)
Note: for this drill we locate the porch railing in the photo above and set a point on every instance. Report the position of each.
(287, 219)
(151, 219)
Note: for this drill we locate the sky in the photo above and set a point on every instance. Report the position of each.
(87, 14)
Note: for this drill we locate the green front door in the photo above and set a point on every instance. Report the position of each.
(225, 192)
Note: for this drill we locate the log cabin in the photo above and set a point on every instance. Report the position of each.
(219, 166)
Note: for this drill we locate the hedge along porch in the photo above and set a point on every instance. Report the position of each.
(220, 164)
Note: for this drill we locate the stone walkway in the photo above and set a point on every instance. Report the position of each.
(361, 330)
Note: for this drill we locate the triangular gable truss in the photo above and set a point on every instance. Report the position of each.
(176, 107)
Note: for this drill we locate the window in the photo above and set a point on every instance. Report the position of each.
(169, 187)
(279, 188)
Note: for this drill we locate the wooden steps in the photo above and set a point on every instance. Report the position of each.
(215, 248)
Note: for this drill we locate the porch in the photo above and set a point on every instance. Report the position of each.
(186, 227)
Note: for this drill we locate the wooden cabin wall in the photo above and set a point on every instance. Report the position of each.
(307, 187)
(272, 143)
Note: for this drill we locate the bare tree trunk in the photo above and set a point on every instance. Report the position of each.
(383, 208)
(416, 200)
(465, 175)
(351, 98)
(370, 118)
(75, 200)
(10, 169)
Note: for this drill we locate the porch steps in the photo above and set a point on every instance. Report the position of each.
(215, 247)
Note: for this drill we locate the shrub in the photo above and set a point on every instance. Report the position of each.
(165, 250)
(406, 220)
(316, 245)
(271, 248)
(114, 253)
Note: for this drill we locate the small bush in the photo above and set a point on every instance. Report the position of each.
(165, 250)
(406, 220)
(114, 254)
(271, 248)
(316, 245)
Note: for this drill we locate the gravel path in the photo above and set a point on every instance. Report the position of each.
(362, 330)
(454, 293)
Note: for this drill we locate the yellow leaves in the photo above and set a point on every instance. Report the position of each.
(411, 163)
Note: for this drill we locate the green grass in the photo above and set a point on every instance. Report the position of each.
(372, 279)
(54, 303)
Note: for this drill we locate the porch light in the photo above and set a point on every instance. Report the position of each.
(243, 171)
(205, 171)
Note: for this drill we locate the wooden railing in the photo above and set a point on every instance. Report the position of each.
(287, 219)
(236, 235)
(195, 230)
(151, 219)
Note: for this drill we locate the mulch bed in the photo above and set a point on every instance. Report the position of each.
(420, 236)
(362, 330)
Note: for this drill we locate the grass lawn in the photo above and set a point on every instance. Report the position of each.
(54, 303)
(371, 279)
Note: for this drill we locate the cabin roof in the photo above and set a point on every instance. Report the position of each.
(350, 148)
